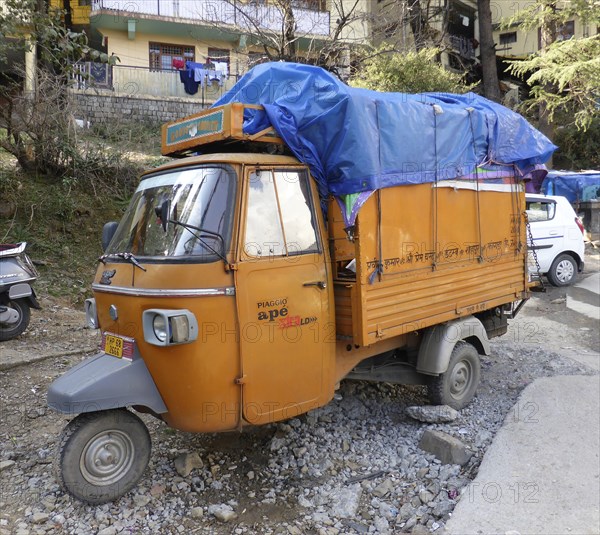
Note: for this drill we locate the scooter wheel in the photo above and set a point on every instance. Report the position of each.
(12, 331)
(102, 455)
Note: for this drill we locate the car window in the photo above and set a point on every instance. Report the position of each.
(298, 220)
(540, 210)
(264, 233)
(279, 219)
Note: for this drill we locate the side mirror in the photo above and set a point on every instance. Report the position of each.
(108, 231)
(162, 212)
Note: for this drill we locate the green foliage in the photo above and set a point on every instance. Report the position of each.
(578, 149)
(58, 47)
(411, 72)
(62, 227)
(39, 125)
(566, 78)
(62, 219)
(548, 12)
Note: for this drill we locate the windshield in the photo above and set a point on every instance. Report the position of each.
(202, 197)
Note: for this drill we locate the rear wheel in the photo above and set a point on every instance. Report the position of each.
(562, 271)
(457, 386)
(102, 455)
(15, 329)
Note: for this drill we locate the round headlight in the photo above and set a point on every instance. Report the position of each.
(159, 325)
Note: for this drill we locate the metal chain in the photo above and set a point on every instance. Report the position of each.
(534, 253)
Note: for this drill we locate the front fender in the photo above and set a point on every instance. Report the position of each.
(104, 382)
(439, 341)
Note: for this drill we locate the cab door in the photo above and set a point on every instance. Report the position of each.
(283, 291)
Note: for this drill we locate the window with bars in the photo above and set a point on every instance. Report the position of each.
(162, 55)
(314, 5)
(218, 55)
(218, 58)
(256, 58)
(508, 38)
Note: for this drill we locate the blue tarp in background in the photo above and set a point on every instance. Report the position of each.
(577, 187)
(357, 140)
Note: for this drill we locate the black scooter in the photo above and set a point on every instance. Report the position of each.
(16, 294)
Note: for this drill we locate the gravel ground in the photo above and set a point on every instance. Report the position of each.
(353, 466)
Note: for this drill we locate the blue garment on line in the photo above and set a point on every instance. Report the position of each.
(187, 79)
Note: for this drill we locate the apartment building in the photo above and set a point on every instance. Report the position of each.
(154, 40)
(450, 24)
(514, 42)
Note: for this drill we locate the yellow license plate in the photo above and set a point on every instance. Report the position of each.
(113, 346)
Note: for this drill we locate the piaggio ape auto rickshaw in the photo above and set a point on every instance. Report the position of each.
(227, 297)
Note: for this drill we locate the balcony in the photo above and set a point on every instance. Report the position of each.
(241, 15)
(127, 81)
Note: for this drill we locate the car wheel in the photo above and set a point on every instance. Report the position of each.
(562, 271)
(102, 455)
(12, 331)
(458, 384)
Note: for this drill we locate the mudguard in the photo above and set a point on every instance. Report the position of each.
(104, 382)
(439, 341)
(24, 291)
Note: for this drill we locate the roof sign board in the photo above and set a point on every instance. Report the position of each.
(194, 129)
(210, 129)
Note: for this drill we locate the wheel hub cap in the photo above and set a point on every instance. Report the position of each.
(564, 271)
(461, 377)
(107, 457)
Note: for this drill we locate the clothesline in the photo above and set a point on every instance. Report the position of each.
(197, 75)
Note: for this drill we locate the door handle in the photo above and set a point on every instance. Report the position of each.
(319, 284)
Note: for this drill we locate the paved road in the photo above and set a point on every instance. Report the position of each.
(584, 297)
(541, 475)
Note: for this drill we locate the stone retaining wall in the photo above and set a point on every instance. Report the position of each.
(101, 107)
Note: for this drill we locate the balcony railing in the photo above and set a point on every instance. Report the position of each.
(244, 15)
(126, 81)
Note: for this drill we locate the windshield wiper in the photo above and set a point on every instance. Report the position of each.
(163, 212)
(209, 234)
(128, 257)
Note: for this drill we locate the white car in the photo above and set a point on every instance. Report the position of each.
(557, 238)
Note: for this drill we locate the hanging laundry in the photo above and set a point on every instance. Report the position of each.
(200, 74)
(187, 79)
(221, 66)
(222, 71)
(198, 71)
(214, 76)
(178, 64)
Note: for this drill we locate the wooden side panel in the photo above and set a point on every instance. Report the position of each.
(444, 252)
(343, 309)
(340, 247)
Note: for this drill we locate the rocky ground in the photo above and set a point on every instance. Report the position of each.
(354, 466)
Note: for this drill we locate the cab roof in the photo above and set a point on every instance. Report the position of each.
(240, 158)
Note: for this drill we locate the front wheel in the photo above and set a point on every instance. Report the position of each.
(102, 455)
(457, 386)
(13, 330)
(562, 271)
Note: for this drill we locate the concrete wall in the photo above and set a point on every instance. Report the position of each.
(102, 108)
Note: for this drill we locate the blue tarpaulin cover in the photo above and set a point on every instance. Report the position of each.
(357, 140)
(575, 186)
